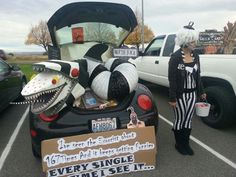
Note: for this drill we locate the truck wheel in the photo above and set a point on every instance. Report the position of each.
(222, 107)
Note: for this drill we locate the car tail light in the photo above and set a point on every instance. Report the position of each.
(144, 102)
(46, 118)
(33, 133)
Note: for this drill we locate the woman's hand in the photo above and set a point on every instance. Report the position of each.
(203, 96)
(173, 104)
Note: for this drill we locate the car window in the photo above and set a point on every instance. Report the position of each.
(170, 45)
(91, 32)
(3, 67)
(154, 49)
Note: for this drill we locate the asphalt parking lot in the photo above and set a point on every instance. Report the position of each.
(215, 154)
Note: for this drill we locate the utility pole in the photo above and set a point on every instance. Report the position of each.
(142, 28)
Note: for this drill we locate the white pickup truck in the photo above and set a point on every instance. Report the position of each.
(218, 73)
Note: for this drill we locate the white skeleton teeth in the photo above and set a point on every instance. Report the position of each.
(24, 102)
(41, 101)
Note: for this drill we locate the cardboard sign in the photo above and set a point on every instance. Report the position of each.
(100, 154)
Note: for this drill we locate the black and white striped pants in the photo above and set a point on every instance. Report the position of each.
(184, 111)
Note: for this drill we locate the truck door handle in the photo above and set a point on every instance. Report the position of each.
(156, 62)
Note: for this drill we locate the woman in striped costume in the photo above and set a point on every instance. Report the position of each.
(185, 86)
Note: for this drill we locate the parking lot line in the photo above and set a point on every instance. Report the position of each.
(12, 139)
(209, 149)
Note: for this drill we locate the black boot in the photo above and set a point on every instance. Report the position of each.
(186, 134)
(179, 139)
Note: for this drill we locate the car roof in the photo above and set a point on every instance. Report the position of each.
(112, 13)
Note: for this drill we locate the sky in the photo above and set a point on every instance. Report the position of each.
(161, 16)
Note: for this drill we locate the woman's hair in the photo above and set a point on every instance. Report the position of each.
(186, 35)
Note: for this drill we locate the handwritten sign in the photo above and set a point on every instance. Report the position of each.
(207, 38)
(100, 154)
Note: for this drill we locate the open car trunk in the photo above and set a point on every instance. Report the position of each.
(91, 102)
(77, 27)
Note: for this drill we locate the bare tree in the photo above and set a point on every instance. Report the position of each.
(135, 37)
(39, 35)
(229, 37)
(99, 32)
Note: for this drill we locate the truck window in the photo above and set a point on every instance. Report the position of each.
(170, 45)
(154, 48)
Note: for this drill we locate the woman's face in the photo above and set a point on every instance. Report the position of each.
(191, 45)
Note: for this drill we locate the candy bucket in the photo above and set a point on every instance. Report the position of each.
(202, 109)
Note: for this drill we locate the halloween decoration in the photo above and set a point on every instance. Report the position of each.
(88, 31)
(116, 79)
(60, 83)
(134, 121)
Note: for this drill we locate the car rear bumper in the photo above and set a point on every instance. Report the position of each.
(73, 121)
(44, 131)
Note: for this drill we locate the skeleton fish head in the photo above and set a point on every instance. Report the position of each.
(58, 84)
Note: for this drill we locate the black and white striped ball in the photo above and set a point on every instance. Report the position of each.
(116, 79)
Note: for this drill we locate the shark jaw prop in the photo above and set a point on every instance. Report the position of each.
(57, 85)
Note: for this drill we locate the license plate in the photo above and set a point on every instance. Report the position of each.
(104, 124)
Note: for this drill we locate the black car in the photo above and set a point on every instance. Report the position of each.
(79, 30)
(12, 80)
